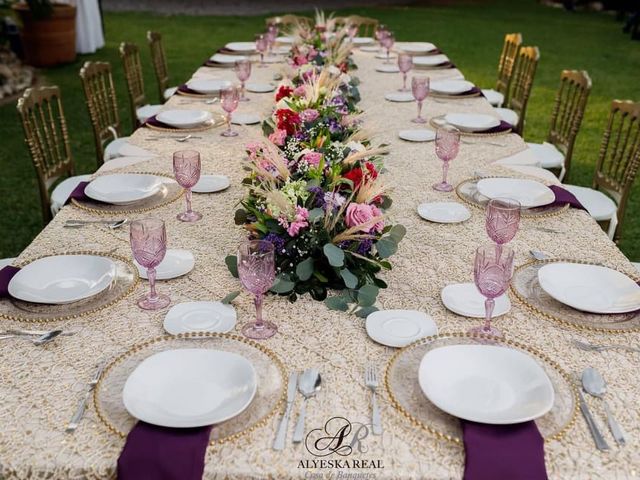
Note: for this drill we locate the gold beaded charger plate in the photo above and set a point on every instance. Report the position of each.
(268, 400)
(527, 290)
(467, 191)
(439, 121)
(124, 282)
(168, 193)
(401, 382)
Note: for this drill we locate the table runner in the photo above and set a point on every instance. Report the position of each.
(40, 387)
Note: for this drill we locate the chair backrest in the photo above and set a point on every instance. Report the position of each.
(568, 111)
(619, 158)
(46, 135)
(510, 49)
(287, 21)
(366, 26)
(159, 60)
(100, 95)
(133, 75)
(521, 83)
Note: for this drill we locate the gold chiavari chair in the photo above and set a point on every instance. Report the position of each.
(520, 89)
(289, 21)
(159, 60)
(616, 168)
(140, 109)
(510, 48)
(366, 26)
(568, 111)
(100, 95)
(46, 136)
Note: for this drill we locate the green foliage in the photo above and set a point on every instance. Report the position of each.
(334, 254)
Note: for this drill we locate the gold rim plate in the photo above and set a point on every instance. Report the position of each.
(434, 122)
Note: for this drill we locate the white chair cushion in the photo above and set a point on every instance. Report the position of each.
(548, 155)
(169, 92)
(599, 206)
(112, 150)
(63, 190)
(6, 261)
(637, 265)
(538, 172)
(147, 111)
(494, 97)
(508, 115)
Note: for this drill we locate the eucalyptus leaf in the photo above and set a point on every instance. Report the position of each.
(350, 280)
(397, 232)
(334, 254)
(336, 303)
(232, 264)
(240, 217)
(282, 285)
(304, 269)
(230, 298)
(315, 213)
(386, 247)
(367, 295)
(364, 312)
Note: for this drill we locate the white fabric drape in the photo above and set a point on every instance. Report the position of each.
(89, 35)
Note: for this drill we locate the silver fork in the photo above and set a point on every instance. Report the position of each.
(371, 381)
(590, 347)
(77, 416)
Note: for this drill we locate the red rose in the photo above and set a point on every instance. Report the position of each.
(288, 120)
(356, 174)
(283, 91)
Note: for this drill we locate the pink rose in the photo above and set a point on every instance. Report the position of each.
(312, 158)
(359, 214)
(299, 91)
(278, 137)
(309, 115)
(300, 221)
(377, 213)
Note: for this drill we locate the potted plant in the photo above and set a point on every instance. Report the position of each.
(48, 32)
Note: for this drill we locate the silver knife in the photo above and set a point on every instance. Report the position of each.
(75, 420)
(281, 435)
(601, 443)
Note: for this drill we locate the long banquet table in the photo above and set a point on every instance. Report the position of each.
(41, 386)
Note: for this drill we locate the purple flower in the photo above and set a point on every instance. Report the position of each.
(334, 126)
(319, 195)
(278, 242)
(365, 246)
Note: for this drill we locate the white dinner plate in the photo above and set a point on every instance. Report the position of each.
(444, 212)
(472, 122)
(255, 87)
(398, 328)
(176, 262)
(129, 150)
(239, 118)
(370, 48)
(224, 58)
(430, 60)
(399, 97)
(529, 193)
(383, 55)
(451, 87)
(208, 85)
(590, 288)
(184, 118)
(285, 40)
(190, 387)
(416, 47)
(211, 184)
(362, 40)
(245, 47)
(62, 279)
(465, 299)
(417, 135)
(123, 188)
(387, 68)
(200, 317)
(486, 384)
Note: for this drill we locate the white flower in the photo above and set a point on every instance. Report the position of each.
(356, 146)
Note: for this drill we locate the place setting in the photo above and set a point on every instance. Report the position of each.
(454, 89)
(183, 121)
(203, 87)
(432, 62)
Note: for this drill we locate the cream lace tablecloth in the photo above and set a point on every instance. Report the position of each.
(40, 386)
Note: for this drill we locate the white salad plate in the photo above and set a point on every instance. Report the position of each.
(590, 288)
(200, 317)
(387, 68)
(472, 122)
(285, 40)
(465, 299)
(245, 47)
(417, 135)
(430, 60)
(451, 87)
(211, 184)
(239, 118)
(224, 58)
(398, 328)
(486, 384)
(529, 193)
(176, 262)
(399, 97)
(208, 85)
(383, 55)
(123, 188)
(61, 279)
(184, 118)
(362, 40)
(444, 212)
(415, 47)
(370, 48)
(190, 387)
(256, 87)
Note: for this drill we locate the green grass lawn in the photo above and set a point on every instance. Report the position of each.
(472, 35)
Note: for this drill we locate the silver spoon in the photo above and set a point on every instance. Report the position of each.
(41, 340)
(538, 255)
(595, 385)
(112, 224)
(308, 385)
(19, 332)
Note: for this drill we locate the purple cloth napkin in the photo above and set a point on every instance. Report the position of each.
(471, 91)
(184, 89)
(501, 452)
(565, 196)
(161, 453)
(503, 127)
(78, 193)
(6, 274)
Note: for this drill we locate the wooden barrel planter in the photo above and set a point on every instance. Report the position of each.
(48, 41)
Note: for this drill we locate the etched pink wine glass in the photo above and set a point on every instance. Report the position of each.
(148, 239)
(243, 72)
(447, 146)
(256, 269)
(229, 99)
(420, 87)
(502, 220)
(405, 64)
(261, 46)
(380, 33)
(186, 168)
(492, 274)
(387, 42)
(270, 35)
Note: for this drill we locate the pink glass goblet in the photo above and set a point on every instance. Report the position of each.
(352, 31)
(387, 42)
(380, 32)
(447, 146)
(420, 87)
(502, 220)
(261, 46)
(229, 99)
(271, 35)
(256, 269)
(243, 72)
(492, 274)
(405, 64)
(149, 245)
(186, 168)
